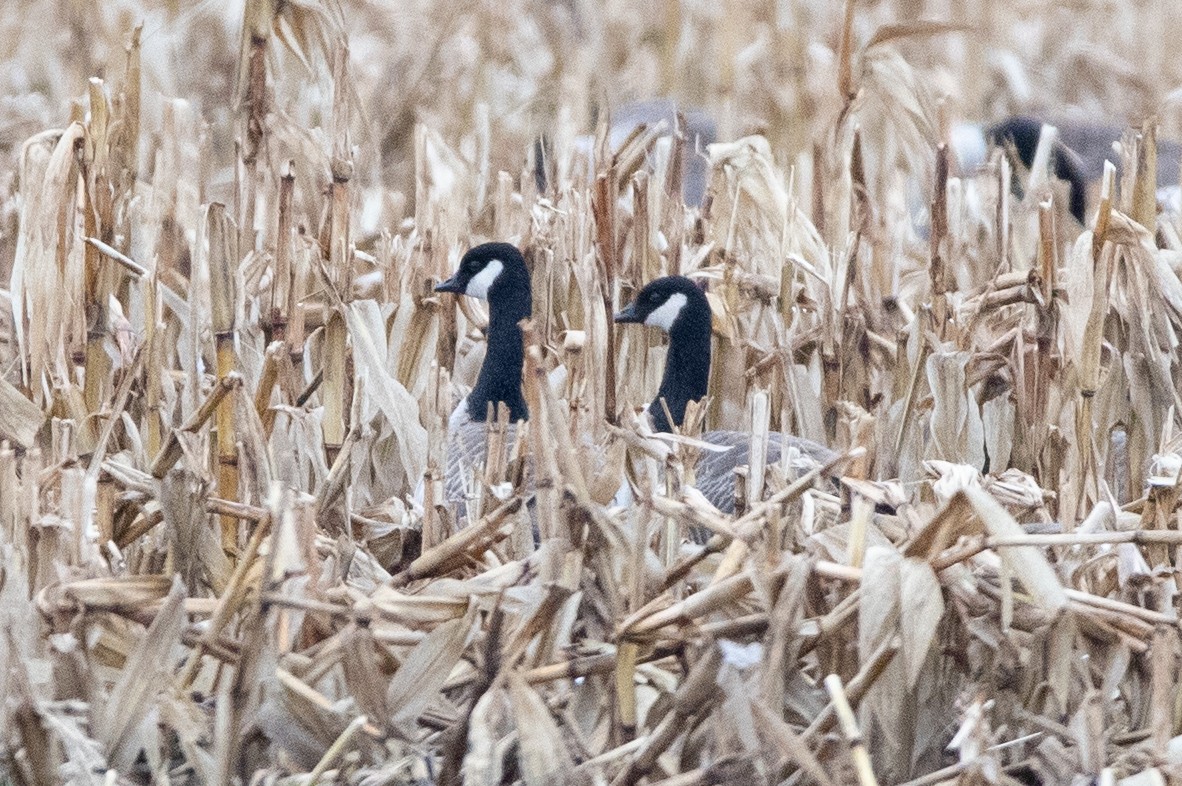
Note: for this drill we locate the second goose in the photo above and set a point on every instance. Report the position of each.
(677, 306)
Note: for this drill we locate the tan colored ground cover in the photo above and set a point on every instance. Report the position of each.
(224, 372)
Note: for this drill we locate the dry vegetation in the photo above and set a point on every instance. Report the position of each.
(223, 374)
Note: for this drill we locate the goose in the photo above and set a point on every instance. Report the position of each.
(700, 130)
(1024, 133)
(677, 306)
(495, 272)
(1077, 156)
(1089, 144)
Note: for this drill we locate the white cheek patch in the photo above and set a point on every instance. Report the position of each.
(667, 314)
(480, 283)
(969, 145)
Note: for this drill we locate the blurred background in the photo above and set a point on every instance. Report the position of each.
(521, 70)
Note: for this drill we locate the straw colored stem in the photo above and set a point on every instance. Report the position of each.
(711, 599)
(115, 255)
(337, 749)
(96, 221)
(281, 289)
(227, 604)
(605, 241)
(625, 693)
(845, 56)
(238, 510)
(1145, 182)
(227, 445)
(473, 538)
(154, 368)
(871, 670)
(223, 290)
(332, 389)
(254, 104)
(937, 268)
(267, 380)
(849, 729)
(171, 452)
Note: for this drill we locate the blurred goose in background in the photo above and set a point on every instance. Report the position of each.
(1023, 133)
(699, 129)
(1077, 156)
(495, 272)
(677, 306)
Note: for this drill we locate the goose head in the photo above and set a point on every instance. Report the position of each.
(677, 306)
(495, 272)
(673, 304)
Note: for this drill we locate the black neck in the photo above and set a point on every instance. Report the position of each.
(687, 370)
(500, 374)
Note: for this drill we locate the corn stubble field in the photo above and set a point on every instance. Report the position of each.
(224, 374)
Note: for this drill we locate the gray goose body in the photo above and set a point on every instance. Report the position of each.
(675, 305)
(467, 452)
(715, 470)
